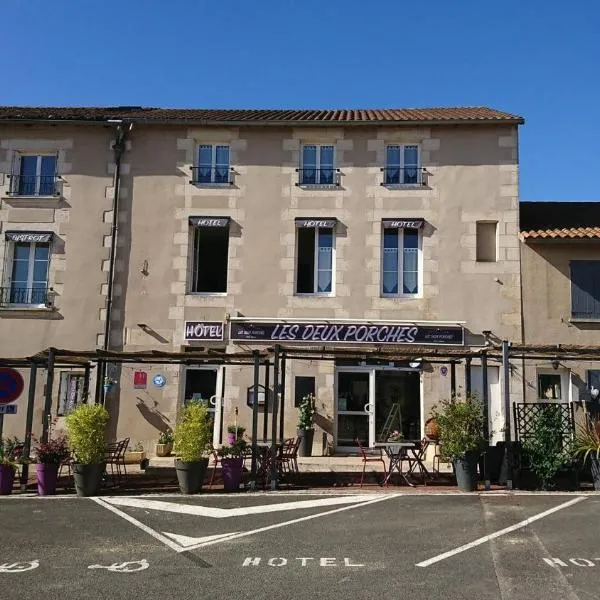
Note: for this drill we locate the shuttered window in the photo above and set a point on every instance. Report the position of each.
(585, 289)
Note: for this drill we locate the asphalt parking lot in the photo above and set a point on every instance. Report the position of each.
(262, 546)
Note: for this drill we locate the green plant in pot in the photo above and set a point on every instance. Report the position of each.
(164, 446)
(86, 428)
(586, 445)
(10, 454)
(306, 432)
(192, 447)
(232, 464)
(460, 422)
(545, 449)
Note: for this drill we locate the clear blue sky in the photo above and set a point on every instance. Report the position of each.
(539, 59)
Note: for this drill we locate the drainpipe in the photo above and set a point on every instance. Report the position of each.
(122, 131)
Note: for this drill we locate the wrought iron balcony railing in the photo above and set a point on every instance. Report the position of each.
(23, 296)
(324, 176)
(33, 185)
(212, 175)
(404, 176)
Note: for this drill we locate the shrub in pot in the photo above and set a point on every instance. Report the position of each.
(232, 464)
(461, 436)
(544, 449)
(48, 457)
(306, 432)
(192, 447)
(164, 445)
(86, 428)
(586, 445)
(10, 454)
(234, 432)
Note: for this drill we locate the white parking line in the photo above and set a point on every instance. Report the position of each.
(496, 534)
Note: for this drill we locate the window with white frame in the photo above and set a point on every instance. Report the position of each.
(213, 164)
(401, 262)
(34, 175)
(315, 260)
(26, 272)
(71, 392)
(318, 165)
(402, 165)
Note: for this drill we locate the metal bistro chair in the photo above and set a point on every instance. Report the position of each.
(114, 455)
(289, 456)
(216, 462)
(368, 455)
(420, 453)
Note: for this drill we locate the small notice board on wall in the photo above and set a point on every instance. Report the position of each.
(260, 395)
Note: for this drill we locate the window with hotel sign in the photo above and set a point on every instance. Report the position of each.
(315, 257)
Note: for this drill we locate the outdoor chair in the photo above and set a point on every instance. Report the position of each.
(216, 461)
(114, 455)
(371, 455)
(288, 458)
(438, 458)
(420, 454)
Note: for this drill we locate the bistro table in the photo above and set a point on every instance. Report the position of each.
(397, 452)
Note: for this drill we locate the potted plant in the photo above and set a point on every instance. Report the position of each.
(306, 432)
(165, 443)
(86, 426)
(432, 429)
(135, 454)
(545, 450)
(192, 446)
(48, 457)
(9, 455)
(232, 464)
(108, 383)
(461, 437)
(587, 446)
(395, 436)
(234, 432)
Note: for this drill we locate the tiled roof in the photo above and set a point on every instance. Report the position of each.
(560, 220)
(478, 114)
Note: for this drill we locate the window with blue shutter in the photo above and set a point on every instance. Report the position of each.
(585, 289)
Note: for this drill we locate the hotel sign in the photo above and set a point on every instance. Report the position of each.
(206, 331)
(29, 236)
(403, 223)
(346, 333)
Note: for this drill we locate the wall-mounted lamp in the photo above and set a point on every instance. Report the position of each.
(555, 364)
(415, 364)
(143, 326)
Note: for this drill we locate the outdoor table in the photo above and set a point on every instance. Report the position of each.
(397, 452)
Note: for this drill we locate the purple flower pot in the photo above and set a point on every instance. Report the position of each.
(231, 472)
(47, 474)
(7, 478)
(231, 439)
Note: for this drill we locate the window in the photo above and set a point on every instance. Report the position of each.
(211, 247)
(593, 383)
(213, 164)
(34, 175)
(549, 387)
(317, 166)
(71, 392)
(402, 165)
(585, 289)
(303, 386)
(486, 233)
(26, 275)
(400, 262)
(315, 260)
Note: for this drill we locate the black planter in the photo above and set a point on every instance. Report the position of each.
(466, 472)
(595, 464)
(306, 441)
(190, 475)
(88, 479)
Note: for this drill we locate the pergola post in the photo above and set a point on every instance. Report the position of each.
(86, 380)
(282, 411)
(256, 357)
(266, 404)
(274, 472)
(486, 428)
(468, 376)
(99, 382)
(28, 424)
(48, 397)
(452, 379)
(507, 427)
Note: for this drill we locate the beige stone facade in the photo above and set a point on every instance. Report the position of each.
(471, 175)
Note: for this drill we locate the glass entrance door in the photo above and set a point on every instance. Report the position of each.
(205, 384)
(354, 393)
(397, 404)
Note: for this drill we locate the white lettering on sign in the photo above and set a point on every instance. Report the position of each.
(19, 567)
(578, 562)
(29, 237)
(125, 567)
(404, 224)
(315, 223)
(203, 331)
(303, 561)
(211, 222)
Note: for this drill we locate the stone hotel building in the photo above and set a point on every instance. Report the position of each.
(134, 229)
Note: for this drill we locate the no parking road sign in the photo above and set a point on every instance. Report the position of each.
(11, 385)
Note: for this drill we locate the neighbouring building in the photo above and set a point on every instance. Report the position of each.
(238, 228)
(560, 266)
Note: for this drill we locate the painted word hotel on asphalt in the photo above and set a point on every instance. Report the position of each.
(301, 561)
